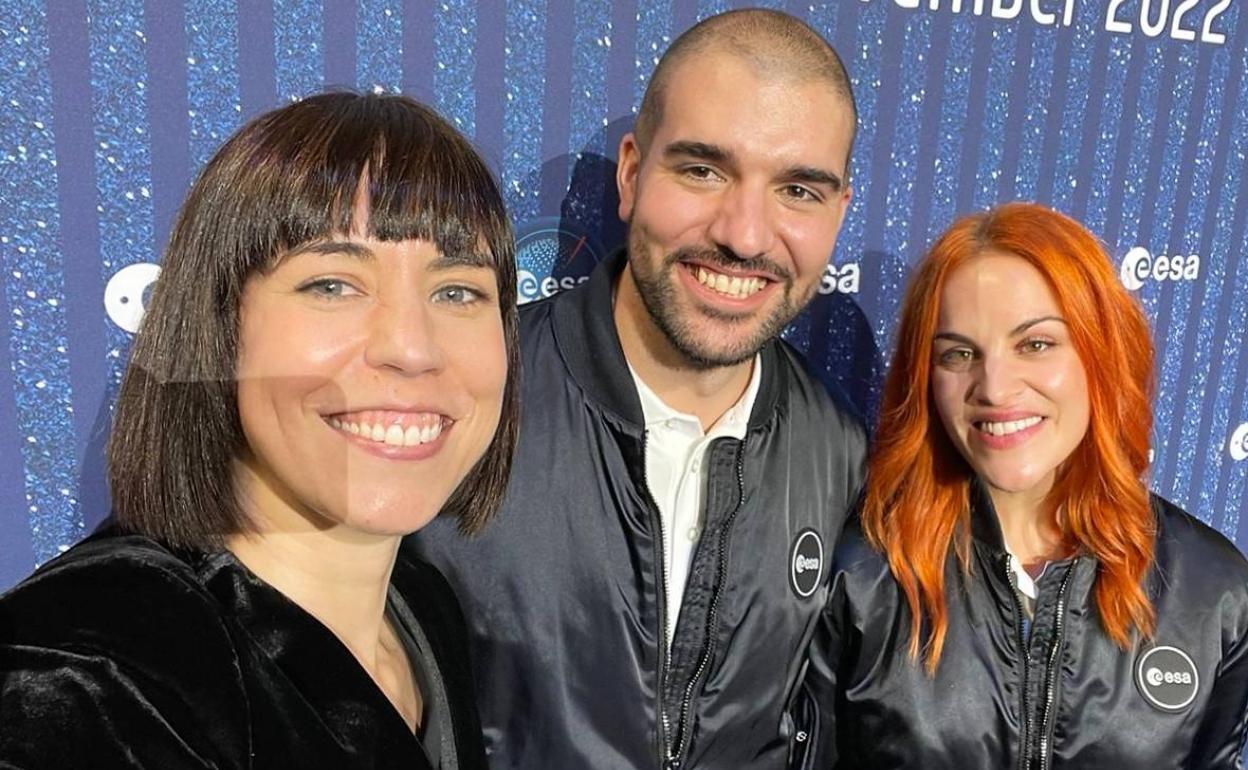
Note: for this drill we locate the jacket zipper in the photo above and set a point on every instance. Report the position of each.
(1024, 755)
(1050, 683)
(665, 653)
(674, 758)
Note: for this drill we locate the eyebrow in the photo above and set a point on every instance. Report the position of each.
(701, 150)
(1016, 331)
(717, 154)
(470, 259)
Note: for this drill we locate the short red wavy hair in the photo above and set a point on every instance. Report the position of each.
(916, 506)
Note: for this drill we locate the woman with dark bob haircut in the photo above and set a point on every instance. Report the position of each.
(327, 362)
(1013, 596)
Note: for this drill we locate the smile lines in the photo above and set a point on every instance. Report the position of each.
(1006, 428)
(735, 286)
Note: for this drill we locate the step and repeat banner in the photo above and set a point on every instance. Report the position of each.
(1130, 115)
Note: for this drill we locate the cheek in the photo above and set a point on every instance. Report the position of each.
(947, 392)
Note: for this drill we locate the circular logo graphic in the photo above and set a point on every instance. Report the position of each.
(806, 562)
(1167, 678)
(1130, 272)
(1238, 445)
(125, 295)
(552, 255)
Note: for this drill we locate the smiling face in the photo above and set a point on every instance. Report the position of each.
(370, 380)
(734, 206)
(1007, 382)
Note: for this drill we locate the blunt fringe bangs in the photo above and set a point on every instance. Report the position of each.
(288, 178)
(917, 505)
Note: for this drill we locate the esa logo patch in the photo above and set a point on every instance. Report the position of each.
(806, 563)
(1167, 678)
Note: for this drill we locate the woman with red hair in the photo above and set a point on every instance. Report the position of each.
(1013, 595)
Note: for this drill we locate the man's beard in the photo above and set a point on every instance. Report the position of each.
(658, 293)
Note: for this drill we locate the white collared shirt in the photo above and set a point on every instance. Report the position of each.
(676, 475)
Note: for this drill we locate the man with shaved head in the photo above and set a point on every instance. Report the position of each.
(646, 597)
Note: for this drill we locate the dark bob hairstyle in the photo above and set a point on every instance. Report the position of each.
(288, 178)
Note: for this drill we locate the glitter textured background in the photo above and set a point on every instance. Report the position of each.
(111, 108)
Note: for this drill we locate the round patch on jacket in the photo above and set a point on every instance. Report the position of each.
(1167, 678)
(806, 562)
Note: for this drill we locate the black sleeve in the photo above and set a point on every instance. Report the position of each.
(815, 712)
(1220, 740)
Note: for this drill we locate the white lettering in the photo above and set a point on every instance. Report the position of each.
(1139, 266)
(806, 562)
(842, 279)
(530, 288)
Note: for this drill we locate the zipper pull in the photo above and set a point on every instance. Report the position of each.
(672, 763)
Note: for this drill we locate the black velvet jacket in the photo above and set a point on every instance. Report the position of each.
(122, 654)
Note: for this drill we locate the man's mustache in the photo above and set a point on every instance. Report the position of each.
(728, 260)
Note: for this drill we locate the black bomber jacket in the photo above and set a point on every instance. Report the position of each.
(564, 591)
(1052, 693)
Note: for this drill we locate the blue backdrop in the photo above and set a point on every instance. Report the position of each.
(1131, 115)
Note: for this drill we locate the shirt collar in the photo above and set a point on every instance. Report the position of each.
(733, 422)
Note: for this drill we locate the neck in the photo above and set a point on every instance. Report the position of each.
(337, 574)
(703, 392)
(1028, 525)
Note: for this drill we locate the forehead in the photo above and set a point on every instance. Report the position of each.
(759, 112)
(993, 287)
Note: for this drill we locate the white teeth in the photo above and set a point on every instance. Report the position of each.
(393, 435)
(735, 286)
(1006, 428)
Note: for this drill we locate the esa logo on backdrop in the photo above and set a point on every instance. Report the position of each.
(840, 279)
(1139, 266)
(125, 296)
(552, 255)
(1238, 443)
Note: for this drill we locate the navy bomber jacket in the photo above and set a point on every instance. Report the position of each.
(564, 590)
(1055, 693)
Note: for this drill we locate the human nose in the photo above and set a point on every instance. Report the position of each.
(402, 337)
(743, 222)
(997, 380)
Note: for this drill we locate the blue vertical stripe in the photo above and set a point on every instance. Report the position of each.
(1036, 107)
(33, 277)
(1193, 366)
(1223, 324)
(654, 33)
(297, 35)
(864, 75)
(214, 105)
(591, 46)
(456, 36)
(1066, 172)
(1104, 175)
(1162, 239)
(951, 134)
(906, 133)
(996, 113)
(525, 84)
(379, 46)
(1134, 178)
(123, 166)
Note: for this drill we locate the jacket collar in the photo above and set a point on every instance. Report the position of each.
(985, 526)
(326, 676)
(584, 324)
